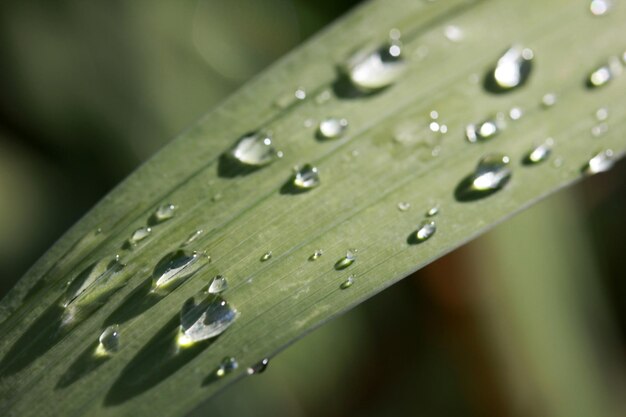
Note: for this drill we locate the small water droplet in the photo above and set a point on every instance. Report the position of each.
(139, 235)
(300, 93)
(434, 114)
(173, 267)
(204, 317)
(228, 365)
(539, 153)
(602, 114)
(370, 71)
(216, 197)
(266, 256)
(347, 260)
(601, 162)
(164, 212)
(192, 237)
(218, 285)
(287, 99)
(306, 177)
(490, 175)
(109, 341)
(453, 33)
(332, 128)
(254, 150)
(515, 113)
(347, 283)
(433, 211)
(404, 205)
(323, 97)
(548, 100)
(258, 367)
(316, 255)
(482, 131)
(604, 74)
(599, 130)
(425, 230)
(600, 7)
(511, 70)
(434, 126)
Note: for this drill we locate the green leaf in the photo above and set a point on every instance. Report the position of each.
(388, 154)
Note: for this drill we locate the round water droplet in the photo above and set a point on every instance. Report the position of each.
(316, 255)
(266, 256)
(347, 283)
(109, 341)
(164, 212)
(254, 150)
(192, 237)
(511, 70)
(491, 174)
(204, 317)
(218, 285)
(347, 260)
(548, 100)
(482, 131)
(539, 153)
(600, 7)
(453, 33)
(425, 230)
(369, 71)
(332, 128)
(599, 130)
(139, 235)
(258, 367)
(433, 211)
(515, 113)
(601, 162)
(306, 177)
(404, 205)
(173, 267)
(228, 365)
(602, 114)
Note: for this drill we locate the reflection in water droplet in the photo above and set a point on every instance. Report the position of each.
(332, 128)
(94, 279)
(164, 212)
(425, 230)
(482, 131)
(490, 175)
(306, 177)
(404, 205)
(109, 341)
(539, 153)
(601, 162)
(511, 70)
(254, 150)
(347, 260)
(316, 255)
(369, 71)
(173, 267)
(258, 367)
(218, 285)
(204, 317)
(453, 33)
(227, 365)
(433, 211)
(192, 237)
(139, 235)
(347, 283)
(600, 7)
(548, 100)
(266, 256)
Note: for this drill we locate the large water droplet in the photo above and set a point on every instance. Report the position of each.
(109, 341)
(424, 231)
(601, 162)
(369, 71)
(600, 7)
(347, 260)
(539, 153)
(332, 128)
(203, 317)
(173, 267)
(258, 367)
(306, 177)
(491, 174)
(228, 365)
(511, 70)
(254, 150)
(483, 131)
(95, 279)
(218, 285)
(164, 212)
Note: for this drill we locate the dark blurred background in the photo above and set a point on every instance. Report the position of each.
(529, 320)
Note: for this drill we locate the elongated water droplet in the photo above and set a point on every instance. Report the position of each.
(491, 174)
(96, 275)
(332, 128)
(602, 75)
(306, 177)
(404, 205)
(192, 237)
(369, 71)
(173, 267)
(539, 153)
(316, 255)
(254, 150)
(511, 70)
(482, 131)
(258, 367)
(218, 285)
(204, 317)
(109, 341)
(347, 260)
(425, 230)
(601, 162)
(139, 235)
(600, 7)
(164, 212)
(347, 283)
(266, 256)
(228, 365)
(433, 211)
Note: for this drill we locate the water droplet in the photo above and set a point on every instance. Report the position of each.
(491, 174)
(433, 211)
(482, 131)
(300, 93)
(98, 274)
(332, 128)
(539, 153)
(254, 150)
(323, 97)
(434, 114)
(548, 100)
(258, 367)
(604, 74)
(228, 365)
(192, 237)
(164, 212)
(204, 317)
(347, 283)
(599, 130)
(600, 7)
(404, 205)
(173, 267)
(286, 100)
(453, 33)
(369, 71)
(316, 255)
(347, 260)
(306, 177)
(216, 197)
(602, 114)
(425, 230)
(266, 256)
(109, 341)
(218, 285)
(139, 235)
(601, 162)
(515, 113)
(511, 70)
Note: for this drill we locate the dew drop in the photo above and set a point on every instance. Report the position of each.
(109, 341)
(602, 114)
(425, 230)
(511, 70)
(306, 177)
(404, 205)
(433, 211)
(600, 7)
(139, 235)
(347, 260)
(192, 237)
(483, 131)
(539, 153)
(604, 74)
(258, 367)
(173, 267)
(370, 71)
(515, 113)
(203, 317)
(599, 130)
(316, 255)
(228, 365)
(347, 283)
(601, 162)
(218, 285)
(98, 274)
(254, 150)
(332, 128)
(490, 175)
(266, 256)
(164, 212)
(453, 33)
(548, 100)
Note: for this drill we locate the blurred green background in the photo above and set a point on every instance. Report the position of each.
(528, 320)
